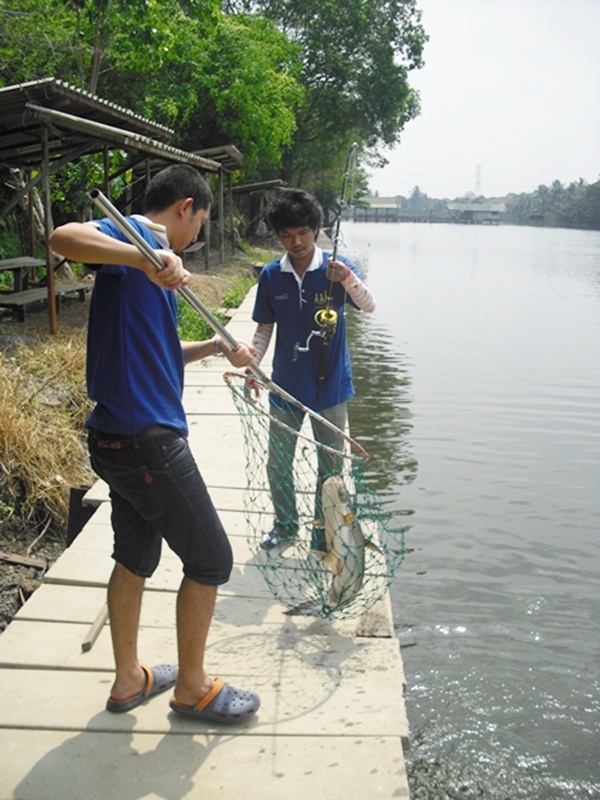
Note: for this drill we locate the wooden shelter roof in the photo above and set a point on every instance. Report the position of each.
(78, 122)
(228, 156)
(46, 123)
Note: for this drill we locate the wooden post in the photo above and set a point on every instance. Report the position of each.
(230, 204)
(30, 216)
(207, 245)
(221, 218)
(106, 165)
(48, 230)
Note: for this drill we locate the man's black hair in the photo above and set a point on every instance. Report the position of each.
(294, 208)
(176, 183)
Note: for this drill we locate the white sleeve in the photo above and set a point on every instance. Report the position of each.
(359, 293)
(262, 337)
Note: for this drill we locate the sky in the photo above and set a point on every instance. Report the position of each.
(510, 100)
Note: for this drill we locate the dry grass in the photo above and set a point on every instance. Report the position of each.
(42, 451)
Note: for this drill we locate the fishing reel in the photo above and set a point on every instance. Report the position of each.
(326, 319)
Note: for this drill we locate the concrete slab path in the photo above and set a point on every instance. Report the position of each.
(332, 720)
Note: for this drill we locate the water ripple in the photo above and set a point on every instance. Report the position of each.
(478, 395)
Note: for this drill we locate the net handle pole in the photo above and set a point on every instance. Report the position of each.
(113, 213)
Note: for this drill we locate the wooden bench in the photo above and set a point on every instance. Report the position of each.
(18, 301)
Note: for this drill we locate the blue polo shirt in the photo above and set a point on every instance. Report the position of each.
(134, 358)
(291, 303)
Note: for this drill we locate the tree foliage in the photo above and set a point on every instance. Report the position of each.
(290, 84)
(215, 79)
(248, 73)
(75, 40)
(557, 206)
(574, 206)
(356, 56)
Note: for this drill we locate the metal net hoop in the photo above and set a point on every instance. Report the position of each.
(290, 455)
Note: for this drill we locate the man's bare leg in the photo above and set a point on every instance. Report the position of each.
(195, 606)
(124, 606)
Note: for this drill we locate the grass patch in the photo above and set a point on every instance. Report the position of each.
(235, 296)
(191, 326)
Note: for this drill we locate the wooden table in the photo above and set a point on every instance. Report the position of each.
(20, 268)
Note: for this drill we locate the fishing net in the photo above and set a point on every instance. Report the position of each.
(304, 482)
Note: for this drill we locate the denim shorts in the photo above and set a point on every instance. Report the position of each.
(157, 493)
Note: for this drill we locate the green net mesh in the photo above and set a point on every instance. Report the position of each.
(338, 548)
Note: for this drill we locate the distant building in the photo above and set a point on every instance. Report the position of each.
(384, 202)
(476, 213)
(386, 209)
(394, 209)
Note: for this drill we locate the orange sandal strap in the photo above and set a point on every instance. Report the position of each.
(204, 701)
(146, 690)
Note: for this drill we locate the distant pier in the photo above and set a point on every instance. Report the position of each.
(386, 209)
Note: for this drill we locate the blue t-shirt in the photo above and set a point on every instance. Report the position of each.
(292, 307)
(134, 357)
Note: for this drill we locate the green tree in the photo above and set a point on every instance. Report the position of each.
(418, 202)
(356, 56)
(291, 84)
(214, 78)
(574, 206)
(75, 40)
(246, 74)
(589, 207)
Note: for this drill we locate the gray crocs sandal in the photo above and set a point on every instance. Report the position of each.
(158, 679)
(223, 703)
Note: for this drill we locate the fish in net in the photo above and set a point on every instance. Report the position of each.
(338, 549)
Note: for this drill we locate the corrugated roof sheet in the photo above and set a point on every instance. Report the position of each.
(227, 155)
(61, 96)
(77, 121)
(117, 136)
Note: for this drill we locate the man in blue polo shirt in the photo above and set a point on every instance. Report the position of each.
(138, 442)
(291, 290)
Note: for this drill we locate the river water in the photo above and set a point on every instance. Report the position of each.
(478, 399)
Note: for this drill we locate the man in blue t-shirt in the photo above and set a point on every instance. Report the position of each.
(138, 445)
(295, 292)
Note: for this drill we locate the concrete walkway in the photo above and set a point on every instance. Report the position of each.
(332, 719)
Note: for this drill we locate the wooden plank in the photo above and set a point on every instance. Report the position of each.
(349, 694)
(95, 628)
(194, 766)
(20, 262)
(41, 293)
(19, 300)
(25, 561)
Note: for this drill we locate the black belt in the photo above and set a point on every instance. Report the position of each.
(127, 441)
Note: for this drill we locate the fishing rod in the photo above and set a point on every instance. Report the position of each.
(113, 213)
(327, 318)
(341, 207)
